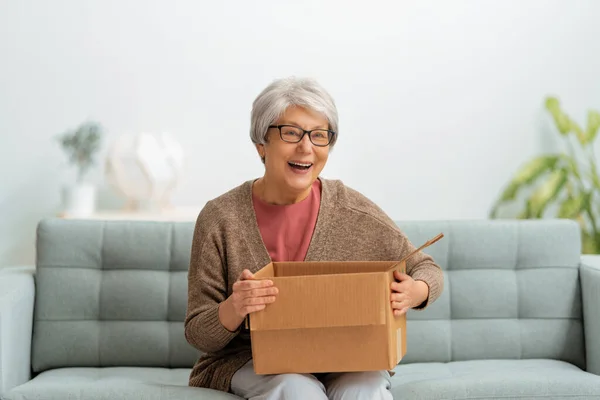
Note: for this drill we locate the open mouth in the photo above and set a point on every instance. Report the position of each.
(299, 166)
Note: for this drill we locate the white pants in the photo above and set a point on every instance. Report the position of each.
(336, 386)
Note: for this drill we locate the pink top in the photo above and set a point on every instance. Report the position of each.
(286, 230)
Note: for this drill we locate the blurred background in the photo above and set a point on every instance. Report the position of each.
(441, 104)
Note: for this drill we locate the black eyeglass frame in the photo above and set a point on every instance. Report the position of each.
(330, 134)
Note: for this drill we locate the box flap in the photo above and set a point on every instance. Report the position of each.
(327, 301)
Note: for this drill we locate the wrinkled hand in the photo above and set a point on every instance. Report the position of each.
(250, 295)
(407, 293)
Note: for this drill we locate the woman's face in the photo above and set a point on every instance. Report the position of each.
(282, 158)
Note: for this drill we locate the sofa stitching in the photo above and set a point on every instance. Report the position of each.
(517, 277)
(171, 234)
(100, 321)
(450, 298)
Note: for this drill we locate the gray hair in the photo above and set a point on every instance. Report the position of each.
(272, 102)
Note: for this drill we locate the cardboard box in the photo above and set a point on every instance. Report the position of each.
(329, 317)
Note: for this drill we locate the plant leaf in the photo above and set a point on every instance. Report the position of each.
(547, 192)
(526, 213)
(572, 206)
(571, 164)
(590, 245)
(581, 136)
(511, 191)
(596, 181)
(534, 168)
(562, 121)
(593, 124)
(526, 175)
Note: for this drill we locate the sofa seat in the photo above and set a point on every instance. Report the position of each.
(113, 384)
(494, 379)
(485, 379)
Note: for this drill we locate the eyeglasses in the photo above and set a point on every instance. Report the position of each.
(294, 134)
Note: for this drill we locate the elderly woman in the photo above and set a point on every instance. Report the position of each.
(288, 214)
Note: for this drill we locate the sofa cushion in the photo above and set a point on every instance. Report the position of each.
(493, 379)
(107, 291)
(514, 379)
(113, 383)
(512, 291)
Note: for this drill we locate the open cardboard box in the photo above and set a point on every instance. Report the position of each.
(329, 316)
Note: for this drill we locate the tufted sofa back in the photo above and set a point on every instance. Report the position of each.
(114, 293)
(512, 291)
(111, 294)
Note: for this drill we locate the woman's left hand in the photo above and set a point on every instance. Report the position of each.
(407, 293)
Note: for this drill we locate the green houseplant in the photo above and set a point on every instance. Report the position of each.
(566, 184)
(81, 146)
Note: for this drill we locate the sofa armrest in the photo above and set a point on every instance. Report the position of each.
(590, 288)
(16, 320)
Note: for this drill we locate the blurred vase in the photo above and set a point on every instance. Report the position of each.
(145, 168)
(78, 200)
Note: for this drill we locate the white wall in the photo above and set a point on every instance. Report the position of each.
(439, 101)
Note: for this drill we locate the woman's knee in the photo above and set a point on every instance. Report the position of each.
(359, 385)
(290, 384)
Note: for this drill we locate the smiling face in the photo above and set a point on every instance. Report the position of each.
(291, 168)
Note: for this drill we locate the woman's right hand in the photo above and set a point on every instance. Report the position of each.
(249, 295)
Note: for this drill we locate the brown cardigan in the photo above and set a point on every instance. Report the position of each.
(227, 240)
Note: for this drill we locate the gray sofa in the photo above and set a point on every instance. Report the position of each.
(101, 318)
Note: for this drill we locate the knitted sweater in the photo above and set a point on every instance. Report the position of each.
(227, 240)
